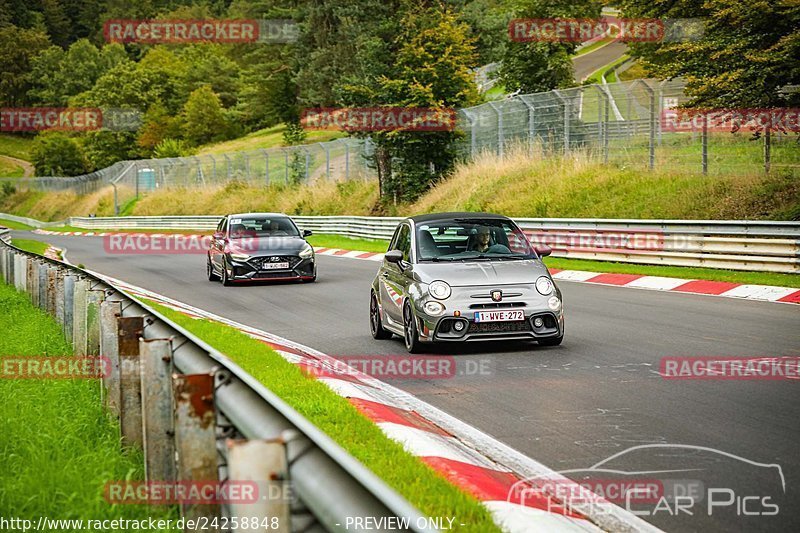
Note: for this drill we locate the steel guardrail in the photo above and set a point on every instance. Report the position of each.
(329, 484)
(772, 246)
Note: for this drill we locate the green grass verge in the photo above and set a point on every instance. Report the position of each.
(266, 138)
(347, 243)
(10, 224)
(592, 47)
(16, 146)
(335, 416)
(35, 247)
(58, 446)
(713, 274)
(9, 169)
(597, 75)
(186, 231)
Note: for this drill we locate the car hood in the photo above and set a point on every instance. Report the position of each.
(458, 274)
(267, 245)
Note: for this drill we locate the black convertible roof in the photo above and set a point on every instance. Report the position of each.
(457, 214)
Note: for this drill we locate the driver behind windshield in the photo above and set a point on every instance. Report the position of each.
(483, 243)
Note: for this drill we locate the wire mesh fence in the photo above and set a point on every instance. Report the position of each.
(629, 123)
(633, 123)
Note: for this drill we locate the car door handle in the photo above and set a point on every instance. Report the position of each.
(385, 275)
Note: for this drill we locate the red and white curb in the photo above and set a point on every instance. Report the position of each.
(475, 462)
(765, 293)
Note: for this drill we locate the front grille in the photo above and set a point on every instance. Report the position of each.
(499, 327)
(278, 274)
(498, 305)
(258, 262)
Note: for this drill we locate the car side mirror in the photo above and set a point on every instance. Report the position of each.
(543, 250)
(394, 256)
(219, 235)
(307, 233)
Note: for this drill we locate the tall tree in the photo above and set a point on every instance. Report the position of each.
(537, 66)
(747, 56)
(18, 47)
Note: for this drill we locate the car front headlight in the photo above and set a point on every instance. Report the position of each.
(240, 257)
(307, 251)
(434, 308)
(554, 303)
(544, 285)
(439, 290)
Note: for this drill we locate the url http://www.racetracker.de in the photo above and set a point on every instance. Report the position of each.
(44, 523)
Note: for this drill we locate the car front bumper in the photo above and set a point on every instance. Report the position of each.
(465, 304)
(253, 269)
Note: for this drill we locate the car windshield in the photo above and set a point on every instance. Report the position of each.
(472, 239)
(262, 226)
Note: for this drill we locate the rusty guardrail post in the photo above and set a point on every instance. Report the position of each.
(69, 303)
(94, 297)
(129, 330)
(31, 277)
(195, 436)
(59, 296)
(52, 273)
(42, 268)
(157, 409)
(79, 317)
(109, 347)
(33, 282)
(264, 463)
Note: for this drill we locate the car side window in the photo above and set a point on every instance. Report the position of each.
(404, 242)
(224, 226)
(393, 242)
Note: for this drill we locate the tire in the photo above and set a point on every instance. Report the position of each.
(554, 341)
(410, 333)
(210, 271)
(375, 324)
(226, 282)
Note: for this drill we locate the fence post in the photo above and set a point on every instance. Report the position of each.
(266, 166)
(265, 463)
(473, 139)
(109, 347)
(500, 136)
(247, 165)
(52, 272)
(705, 144)
(31, 280)
(308, 160)
(767, 149)
(652, 141)
(157, 424)
(286, 168)
(564, 101)
(195, 436)
(346, 160)
(531, 123)
(129, 330)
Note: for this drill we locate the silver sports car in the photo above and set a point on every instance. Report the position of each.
(452, 277)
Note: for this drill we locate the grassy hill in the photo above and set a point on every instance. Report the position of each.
(266, 138)
(517, 185)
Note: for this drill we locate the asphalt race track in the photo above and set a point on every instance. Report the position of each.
(571, 406)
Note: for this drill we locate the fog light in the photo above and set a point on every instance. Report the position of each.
(538, 322)
(554, 303)
(434, 308)
(459, 325)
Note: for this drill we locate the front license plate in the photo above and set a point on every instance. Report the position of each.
(275, 266)
(499, 316)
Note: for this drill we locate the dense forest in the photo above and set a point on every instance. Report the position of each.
(348, 53)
